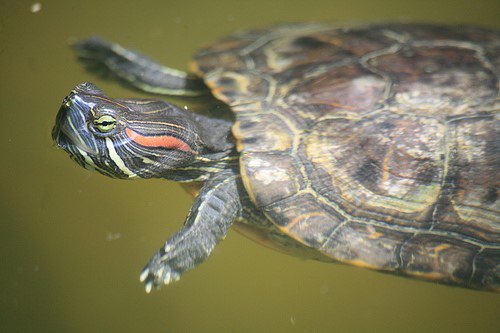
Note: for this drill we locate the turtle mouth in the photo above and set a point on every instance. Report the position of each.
(58, 136)
(70, 130)
(60, 139)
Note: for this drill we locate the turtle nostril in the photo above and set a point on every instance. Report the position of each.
(67, 100)
(88, 88)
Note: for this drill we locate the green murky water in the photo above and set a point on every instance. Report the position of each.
(72, 243)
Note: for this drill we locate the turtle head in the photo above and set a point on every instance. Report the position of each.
(126, 138)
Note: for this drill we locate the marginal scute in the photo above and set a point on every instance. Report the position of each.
(224, 51)
(357, 42)
(253, 137)
(285, 57)
(487, 270)
(438, 258)
(236, 88)
(365, 245)
(304, 219)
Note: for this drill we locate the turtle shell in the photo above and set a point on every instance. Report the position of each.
(376, 145)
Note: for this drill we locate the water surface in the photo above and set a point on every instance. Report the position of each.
(73, 243)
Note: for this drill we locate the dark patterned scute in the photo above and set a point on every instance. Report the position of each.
(377, 145)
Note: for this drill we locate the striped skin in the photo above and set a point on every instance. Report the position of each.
(144, 139)
(137, 69)
(150, 139)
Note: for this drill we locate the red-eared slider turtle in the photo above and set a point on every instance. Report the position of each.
(376, 146)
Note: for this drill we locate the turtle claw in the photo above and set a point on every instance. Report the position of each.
(148, 279)
(157, 273)
(148, 286)
(144, 274)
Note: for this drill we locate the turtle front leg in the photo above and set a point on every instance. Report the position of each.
(213, 212)
(137, 69)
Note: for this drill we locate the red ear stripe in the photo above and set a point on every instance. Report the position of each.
(165, 141)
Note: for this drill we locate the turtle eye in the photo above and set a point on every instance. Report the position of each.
(105, 123)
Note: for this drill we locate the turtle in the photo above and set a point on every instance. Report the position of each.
(375, 145)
